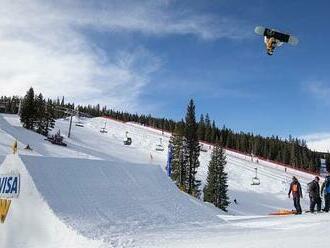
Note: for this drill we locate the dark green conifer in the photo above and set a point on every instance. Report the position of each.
(216, 188)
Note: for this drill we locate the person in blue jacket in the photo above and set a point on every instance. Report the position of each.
(325, 190)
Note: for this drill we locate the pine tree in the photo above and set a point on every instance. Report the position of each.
(193, 150)
(40, 114)
(213, 132)
(28, 115)
(36, 114)
(179, 161)
(201, 128)
(216, 189)
(208, 129)
(49, 120)
(293, 158)
(179, 156)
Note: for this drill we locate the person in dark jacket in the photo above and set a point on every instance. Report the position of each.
(325, 189)
(314, 195)
(295, 189)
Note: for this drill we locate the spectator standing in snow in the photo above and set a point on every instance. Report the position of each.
(295, 189)
(314, 194)
(325, 189)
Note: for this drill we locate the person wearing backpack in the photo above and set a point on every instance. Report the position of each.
(326, 190)
(295, 189)
(314, 194)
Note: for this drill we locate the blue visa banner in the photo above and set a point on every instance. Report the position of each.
(10, 185)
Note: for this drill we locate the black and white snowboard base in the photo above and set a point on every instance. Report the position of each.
(287, 38)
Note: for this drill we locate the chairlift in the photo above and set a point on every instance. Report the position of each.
(103, 129)
(159, 147)
(128, 140)
(79, 124)
(255, 180)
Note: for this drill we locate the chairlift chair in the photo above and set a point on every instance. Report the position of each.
(103, 130)
(128, 140)
(79, 124)
(159, 147)
(255, 180)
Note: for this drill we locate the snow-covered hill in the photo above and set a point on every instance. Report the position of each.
(97, 192)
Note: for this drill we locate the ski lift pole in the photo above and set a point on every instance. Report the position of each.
(70, 126)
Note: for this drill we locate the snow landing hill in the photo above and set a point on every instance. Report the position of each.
(97, 192)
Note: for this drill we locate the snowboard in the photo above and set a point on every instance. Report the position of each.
(283, 212)
(287, 38)
(315, 212)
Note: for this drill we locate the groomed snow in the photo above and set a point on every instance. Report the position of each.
(105, 199)
(86, 191)
(31, 222)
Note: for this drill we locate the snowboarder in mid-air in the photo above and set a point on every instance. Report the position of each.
(295, 189)
(274, 39)
(271, 43)
(325, 189)
(314, 194)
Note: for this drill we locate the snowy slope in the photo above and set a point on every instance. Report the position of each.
(267, 197)
(88, 142)
(102, 199)
(270, 195)
(264, 232)
(81, 190)
(11, 126)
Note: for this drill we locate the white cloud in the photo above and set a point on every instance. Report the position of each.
(319, 89)
(154, 17)
(42, 45)
(318, 141)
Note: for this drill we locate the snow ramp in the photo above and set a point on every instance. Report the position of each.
(104, 200)
(30, 222)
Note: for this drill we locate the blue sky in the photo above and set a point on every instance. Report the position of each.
(153, 56)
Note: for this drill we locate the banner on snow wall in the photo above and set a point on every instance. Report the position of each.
(323, 168)
(9, 185)
(9, 188)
